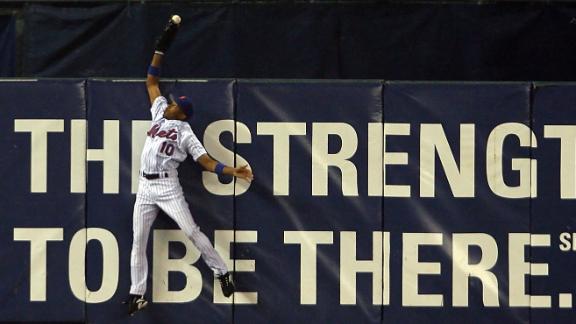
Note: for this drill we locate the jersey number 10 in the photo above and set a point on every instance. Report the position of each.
(167, 148)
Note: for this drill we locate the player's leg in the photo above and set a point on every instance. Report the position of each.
(175, 206)
(143, 217)
(178, 210)
(173, 203)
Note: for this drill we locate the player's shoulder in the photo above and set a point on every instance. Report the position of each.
(158, 106)
(181, 125)
(160, 100)
(186, 130)
(185, 126)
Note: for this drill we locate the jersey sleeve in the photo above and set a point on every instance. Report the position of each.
(158, 107)
(192, 144)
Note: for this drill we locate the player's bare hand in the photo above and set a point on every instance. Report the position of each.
(244, 173)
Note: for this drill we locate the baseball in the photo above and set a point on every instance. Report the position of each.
(176, 19)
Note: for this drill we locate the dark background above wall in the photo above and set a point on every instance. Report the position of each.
(396, 41)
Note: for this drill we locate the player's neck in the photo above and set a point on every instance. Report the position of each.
(175, 117)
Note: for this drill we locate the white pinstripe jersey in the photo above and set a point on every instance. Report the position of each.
(168, 141)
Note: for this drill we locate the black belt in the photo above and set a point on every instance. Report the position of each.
(152, 176)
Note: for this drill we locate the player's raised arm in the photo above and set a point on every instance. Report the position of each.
(162, 45)
(153, 78)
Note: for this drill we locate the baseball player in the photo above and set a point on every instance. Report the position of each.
(169, 141)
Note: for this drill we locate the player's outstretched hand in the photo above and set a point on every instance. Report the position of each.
(244, 173)
(168, 35)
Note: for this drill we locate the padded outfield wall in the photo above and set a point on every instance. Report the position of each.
(373, 202)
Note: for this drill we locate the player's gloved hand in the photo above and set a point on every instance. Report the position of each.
(168, 35)
(244, 173)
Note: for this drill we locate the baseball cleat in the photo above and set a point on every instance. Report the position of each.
(135, 303)
(226, 284)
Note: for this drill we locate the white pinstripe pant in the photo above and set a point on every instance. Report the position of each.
(164, 194)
